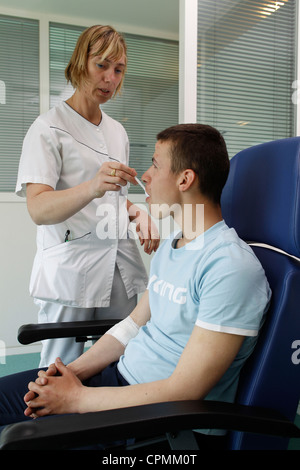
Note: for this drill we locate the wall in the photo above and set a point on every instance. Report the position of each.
(17, 248)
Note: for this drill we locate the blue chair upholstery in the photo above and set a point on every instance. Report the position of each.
(261, 200)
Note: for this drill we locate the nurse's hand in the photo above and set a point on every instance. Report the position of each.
(147, 232)
(146, 228)
(110, 177)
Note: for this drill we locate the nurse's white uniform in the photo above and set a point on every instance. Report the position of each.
(73, 280)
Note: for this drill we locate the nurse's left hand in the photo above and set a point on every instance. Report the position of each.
(147, 232)
(56, 395)
(145, 227)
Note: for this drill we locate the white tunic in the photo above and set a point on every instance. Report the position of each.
(62, 150)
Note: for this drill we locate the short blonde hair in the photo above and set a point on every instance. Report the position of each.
(110, 44)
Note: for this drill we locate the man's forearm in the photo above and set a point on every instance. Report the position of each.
(105, 398)
(108, 349)
(94, 360)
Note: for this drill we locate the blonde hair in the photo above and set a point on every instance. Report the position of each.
(102, 40)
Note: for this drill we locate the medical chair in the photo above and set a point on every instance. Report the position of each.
(261, 201)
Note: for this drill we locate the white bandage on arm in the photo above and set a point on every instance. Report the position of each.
(124, 331)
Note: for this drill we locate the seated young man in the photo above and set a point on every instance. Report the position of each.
(198, 321)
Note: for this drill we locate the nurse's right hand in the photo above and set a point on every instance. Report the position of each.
(110, 177)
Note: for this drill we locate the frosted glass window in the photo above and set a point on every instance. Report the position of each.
(246, 69)
(19, 91)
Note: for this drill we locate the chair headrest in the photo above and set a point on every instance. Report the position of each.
(261, 198)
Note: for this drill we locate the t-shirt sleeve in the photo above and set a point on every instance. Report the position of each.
(40, 160)
(233, 295)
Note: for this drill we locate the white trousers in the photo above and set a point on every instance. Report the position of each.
(67, 348)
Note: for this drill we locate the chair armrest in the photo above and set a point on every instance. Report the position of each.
(71, 431)
(31, 333)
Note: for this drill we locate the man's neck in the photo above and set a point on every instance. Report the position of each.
(197, 219)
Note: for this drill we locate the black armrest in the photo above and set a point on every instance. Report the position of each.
(70, 431)
(31, 333)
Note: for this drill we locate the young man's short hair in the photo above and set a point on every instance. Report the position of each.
(201, 148)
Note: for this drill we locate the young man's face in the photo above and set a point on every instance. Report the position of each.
(161, 183)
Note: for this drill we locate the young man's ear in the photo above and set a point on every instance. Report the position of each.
(186, 179)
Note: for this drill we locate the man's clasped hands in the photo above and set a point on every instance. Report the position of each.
(55, 391)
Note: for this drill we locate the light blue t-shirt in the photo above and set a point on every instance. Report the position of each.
(214, 282)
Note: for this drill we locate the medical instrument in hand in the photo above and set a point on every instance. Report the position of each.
(141, 185)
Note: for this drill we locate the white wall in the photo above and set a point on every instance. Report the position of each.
(17, 248)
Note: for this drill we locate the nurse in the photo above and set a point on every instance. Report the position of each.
(74, 172)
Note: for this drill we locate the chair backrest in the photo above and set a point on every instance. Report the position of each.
(261, 200)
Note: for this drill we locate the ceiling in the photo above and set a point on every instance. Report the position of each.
(148, 17)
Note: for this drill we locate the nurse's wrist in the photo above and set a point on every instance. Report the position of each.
(95, 192)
